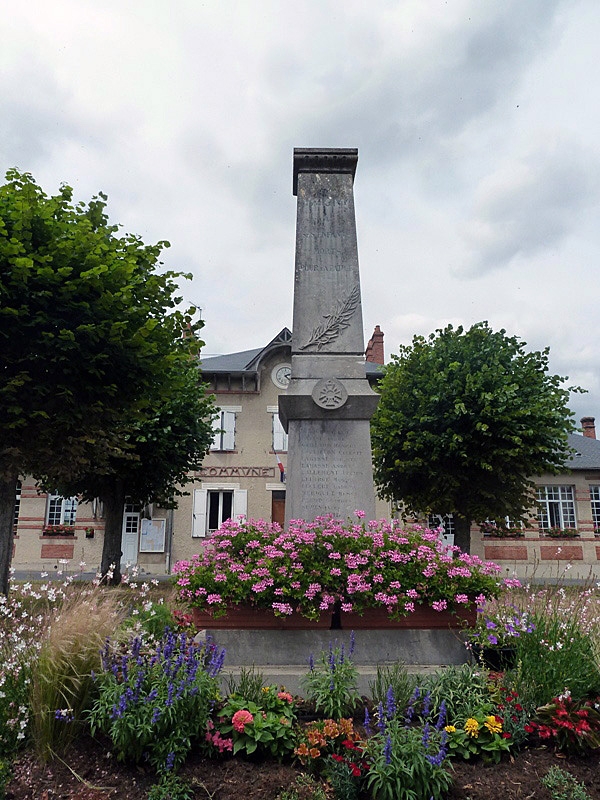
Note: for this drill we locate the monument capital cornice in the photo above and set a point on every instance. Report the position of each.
(341, 160)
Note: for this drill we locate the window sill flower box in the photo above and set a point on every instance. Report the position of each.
(561, 533)
(493, 531)
(58, 530)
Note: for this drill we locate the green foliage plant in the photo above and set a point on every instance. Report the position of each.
(331, 683)
(61, 684)
(465, 417)
(499, 625)
(462, 688)
(481, 735)
(515, 715)
(563, 786)
(248, 684)
(95, 371)
(572, 725)
(15, 681)
(151, 619)
(305, 787)
(171, 786)
(395, 675)
(155, 701)
(25, 615)
(346, 778)
(407, 760)
(562, 649)
(259, 729)
(5, 775)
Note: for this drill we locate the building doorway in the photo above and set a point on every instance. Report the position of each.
(130, 534)
(278, 507)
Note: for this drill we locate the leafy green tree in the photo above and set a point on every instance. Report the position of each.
(158, 453)
(90, 337)
(464, 420)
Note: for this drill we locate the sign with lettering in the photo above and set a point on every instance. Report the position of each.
(237, 472)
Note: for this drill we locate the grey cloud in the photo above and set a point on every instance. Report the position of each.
(530, 206)
(456, 80)
(39, 117)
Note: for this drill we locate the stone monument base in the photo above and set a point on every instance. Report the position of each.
(280, 648)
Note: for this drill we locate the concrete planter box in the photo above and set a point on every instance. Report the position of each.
(250, 618)
(425, 637)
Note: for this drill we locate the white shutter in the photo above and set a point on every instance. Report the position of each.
(229, 430)
(199, 513)
(280, 444)
(240, 503)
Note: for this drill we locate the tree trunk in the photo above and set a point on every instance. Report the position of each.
(114, 504)
(462, 533)
(8, 489)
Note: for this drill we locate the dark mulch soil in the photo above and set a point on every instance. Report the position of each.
(90, 773)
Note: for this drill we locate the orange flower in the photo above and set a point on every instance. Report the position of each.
(301, 750)
(314, 753)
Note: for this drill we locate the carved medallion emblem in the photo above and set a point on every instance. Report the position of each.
(329, 393)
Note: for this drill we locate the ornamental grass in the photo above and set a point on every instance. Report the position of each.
(68, 656)
(315, 567)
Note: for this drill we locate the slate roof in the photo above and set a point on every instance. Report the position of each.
(587, 455)
(248, 361)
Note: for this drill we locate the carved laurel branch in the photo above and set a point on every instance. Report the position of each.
(337, 321)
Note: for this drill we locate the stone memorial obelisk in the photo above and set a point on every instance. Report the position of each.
(328, 403)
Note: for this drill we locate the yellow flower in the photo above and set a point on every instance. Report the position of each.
(450, 728)
(472, 727)
(493, 725)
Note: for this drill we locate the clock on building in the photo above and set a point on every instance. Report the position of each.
(281, 374)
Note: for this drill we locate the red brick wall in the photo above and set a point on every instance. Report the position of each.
(57, 550)
(508, 552)
(567, 552)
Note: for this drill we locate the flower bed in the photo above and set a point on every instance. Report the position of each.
(317, 567)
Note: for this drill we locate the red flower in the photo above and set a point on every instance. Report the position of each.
(355, 771)
(506, 735)
(336, 757)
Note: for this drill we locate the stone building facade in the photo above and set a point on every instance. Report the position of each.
(243, 474)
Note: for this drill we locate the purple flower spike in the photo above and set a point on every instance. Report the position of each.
(387, 750)
(390, 703)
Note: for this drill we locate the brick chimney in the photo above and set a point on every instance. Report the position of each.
(374, 351)
(588, 425)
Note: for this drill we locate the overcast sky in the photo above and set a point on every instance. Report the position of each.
(477, 123)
